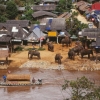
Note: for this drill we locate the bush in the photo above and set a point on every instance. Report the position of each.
(30, 49)
(41, 49)
(18, 48)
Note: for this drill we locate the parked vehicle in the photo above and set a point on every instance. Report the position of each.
(93, 17)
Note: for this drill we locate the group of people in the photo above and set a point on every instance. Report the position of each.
(39, 81)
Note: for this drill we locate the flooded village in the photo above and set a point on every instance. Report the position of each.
(49, 50)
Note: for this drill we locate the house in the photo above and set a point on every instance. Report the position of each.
(95, 6)
(78, 4)
(14, 33)
(84, 7)
(50, 1)
(54, 27)
(42, 15)
(42, 27)
(45, 7)
(65, 15)
(22, 23)
(36, 35)
(7, 27)
(91, 33)
(55, 24)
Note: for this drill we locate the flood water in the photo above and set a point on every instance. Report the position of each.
(51, 88)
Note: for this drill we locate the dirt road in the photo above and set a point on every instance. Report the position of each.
(82, 18)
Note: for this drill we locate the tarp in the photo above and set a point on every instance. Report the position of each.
(38, 32)
(36, 35)
(96, 6)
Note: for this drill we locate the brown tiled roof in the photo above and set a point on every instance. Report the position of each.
(43, 13)
(44, 7)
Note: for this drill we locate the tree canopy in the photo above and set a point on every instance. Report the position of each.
(2, 13)
(11, 10)
(64, 6)
(83, 89)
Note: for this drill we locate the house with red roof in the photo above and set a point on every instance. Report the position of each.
(96, 6)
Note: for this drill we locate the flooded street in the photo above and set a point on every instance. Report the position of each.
(51, 88)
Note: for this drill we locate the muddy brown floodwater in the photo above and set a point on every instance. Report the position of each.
(52, 84)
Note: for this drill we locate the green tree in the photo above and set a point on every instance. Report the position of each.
(74, 26)
(64, 6)
(3, 18)
(83, 89)
(27, 15)
(11, 10)
(2, 14)
(2, 10)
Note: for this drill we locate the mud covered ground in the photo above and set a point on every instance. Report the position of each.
(20, 59)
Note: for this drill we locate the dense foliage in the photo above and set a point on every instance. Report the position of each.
(27, 14)
(73, 25)
(64, 5)
(11, 10)
(2, 14)
(82, 89)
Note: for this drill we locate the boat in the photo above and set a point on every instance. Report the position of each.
(19, 80)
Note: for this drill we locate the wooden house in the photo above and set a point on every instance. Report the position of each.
(78, 4)
(51, 7)
(56, 24)
(42, 15)
(41, 25)
(84, 7)
(21, 23)
(13, 34)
